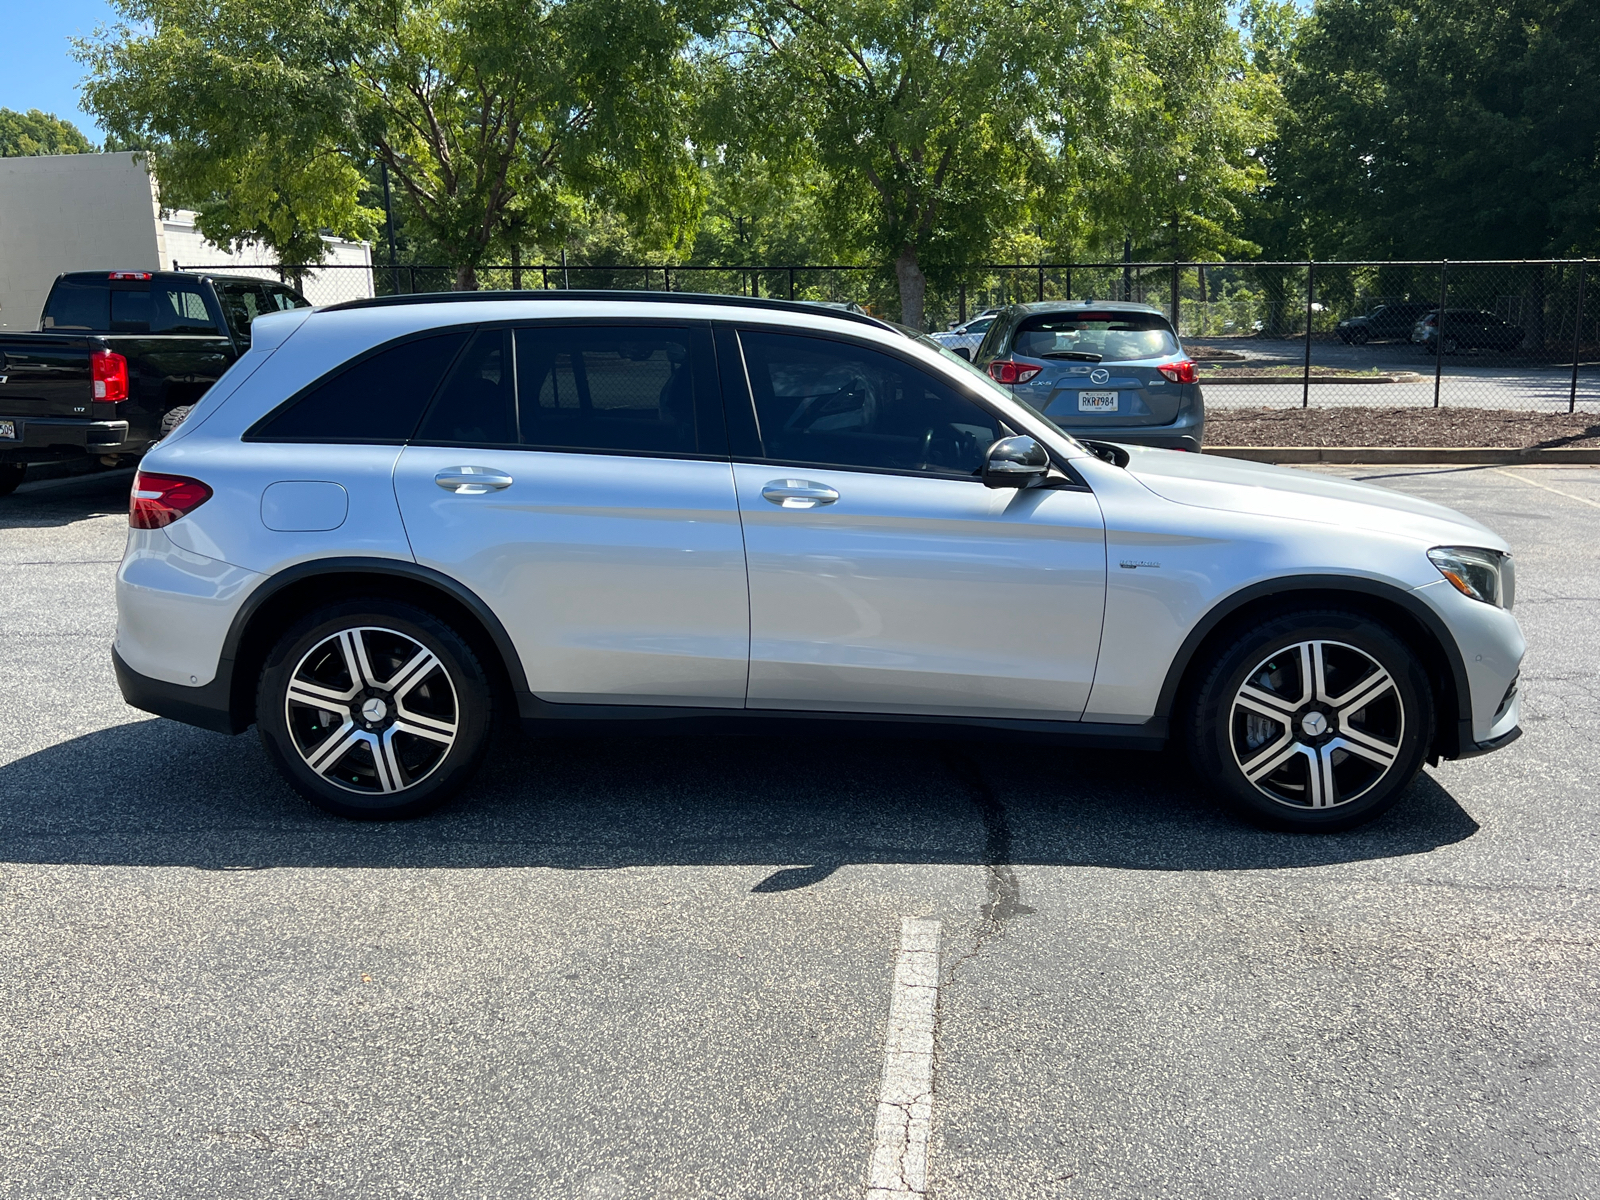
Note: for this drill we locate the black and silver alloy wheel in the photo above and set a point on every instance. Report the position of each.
(1315, 720)
(374, 708)
(1317, 725)
(371, 710)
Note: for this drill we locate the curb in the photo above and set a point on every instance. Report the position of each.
(1237, 380)
(1412, 455)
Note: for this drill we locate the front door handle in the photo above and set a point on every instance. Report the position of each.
(798, 493)
(472, 481)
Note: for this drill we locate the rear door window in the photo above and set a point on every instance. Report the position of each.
(1095, 337)
(644, 389)
(375, 400)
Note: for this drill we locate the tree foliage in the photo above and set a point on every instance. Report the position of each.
(35, 132)
(497, 119)
(1425, 128)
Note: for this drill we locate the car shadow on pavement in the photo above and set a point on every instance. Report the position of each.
(156, 793)
(56, 502)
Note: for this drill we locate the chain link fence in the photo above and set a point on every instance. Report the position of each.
(1519, 336)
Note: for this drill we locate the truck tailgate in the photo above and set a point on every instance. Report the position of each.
(44, 376)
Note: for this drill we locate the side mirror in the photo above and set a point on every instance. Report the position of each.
(1015, 462)
(964, 352)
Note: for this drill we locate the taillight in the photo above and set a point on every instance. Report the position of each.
(1003, 370)
(1181, 372)
(109, 371)
(159, 500)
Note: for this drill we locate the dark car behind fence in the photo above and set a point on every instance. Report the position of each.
(1515, 335)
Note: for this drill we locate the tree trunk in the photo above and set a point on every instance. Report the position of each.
(913, 287)
(466, 279)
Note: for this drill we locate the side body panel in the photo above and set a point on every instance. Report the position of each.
(620, 579)
(922, 595)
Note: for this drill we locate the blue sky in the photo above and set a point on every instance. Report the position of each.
(40, 71)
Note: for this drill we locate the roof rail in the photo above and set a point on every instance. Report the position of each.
(550, 294)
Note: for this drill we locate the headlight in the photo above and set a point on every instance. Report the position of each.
(1480, 574)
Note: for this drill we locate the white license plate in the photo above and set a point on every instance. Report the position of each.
(8, 430)
(1097, 402)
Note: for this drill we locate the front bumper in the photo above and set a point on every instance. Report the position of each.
(41, 439)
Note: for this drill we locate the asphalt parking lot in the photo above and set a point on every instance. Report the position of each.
(639, 967)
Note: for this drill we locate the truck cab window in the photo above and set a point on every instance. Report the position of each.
(75, 305)
(179, 310)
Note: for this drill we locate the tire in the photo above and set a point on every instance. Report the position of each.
(1359, 337)
(1451, 345)
(407, 731)
(11, 477)
(174, 417)
(1261, 721)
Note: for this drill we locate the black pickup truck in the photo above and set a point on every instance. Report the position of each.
(119, 359)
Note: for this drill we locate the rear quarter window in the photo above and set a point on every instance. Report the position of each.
(376, 399)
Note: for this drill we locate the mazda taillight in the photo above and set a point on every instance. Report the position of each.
(1003, 370)
(159, 500)
(109, 371)
(1181, 372)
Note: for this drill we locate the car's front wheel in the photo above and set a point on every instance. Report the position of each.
(1312, 721)
(374, 709)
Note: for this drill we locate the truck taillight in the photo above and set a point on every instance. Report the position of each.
(159, 500)
(109, 371)
(1003, 370)
(1181, 372)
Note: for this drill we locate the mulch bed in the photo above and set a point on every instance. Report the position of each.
(1354, 426)
(1289, 372)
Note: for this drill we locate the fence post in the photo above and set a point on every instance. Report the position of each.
(791, 283)
(961, 303)
(1069, 282)
(1305, 380)
(566, 280)
(666, 278)
(1438, 330)
(1175, 328)
(1577, 335)
(516, 268)
(411, 278)
(1041, 283)
(544, 276)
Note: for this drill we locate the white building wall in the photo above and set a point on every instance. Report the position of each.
(72, 212)
(101, 212)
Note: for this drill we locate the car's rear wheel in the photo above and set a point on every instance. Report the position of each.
(374, 709)
(1359, 336)
(1312, 721)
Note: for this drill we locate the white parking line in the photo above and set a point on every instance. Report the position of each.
(1546, 487)
(899, 1169)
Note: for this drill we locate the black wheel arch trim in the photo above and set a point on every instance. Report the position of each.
(1450, 743)
(223, 698)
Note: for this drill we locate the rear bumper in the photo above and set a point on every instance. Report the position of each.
(41, 439)
(206, 706)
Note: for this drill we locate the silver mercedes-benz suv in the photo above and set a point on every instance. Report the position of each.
(392, 520)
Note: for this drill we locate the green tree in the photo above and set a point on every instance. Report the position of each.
(35, 132)
(1424, 128)
(496, 119)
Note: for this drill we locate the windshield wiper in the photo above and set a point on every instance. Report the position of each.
(1079, 355)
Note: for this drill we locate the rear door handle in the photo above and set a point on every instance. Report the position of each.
(798, 493)
(472, 481)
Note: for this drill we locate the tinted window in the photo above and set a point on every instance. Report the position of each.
(130, 311)
(990, 346)
(242, 303)
(376, 400)
(478, 403)
(608, 388)
(835, 404)
(1112, 337)
(78, 306)
(179, 310)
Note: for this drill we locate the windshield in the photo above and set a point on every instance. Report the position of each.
(1095, 337)
(243, 302)
(951, 356)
